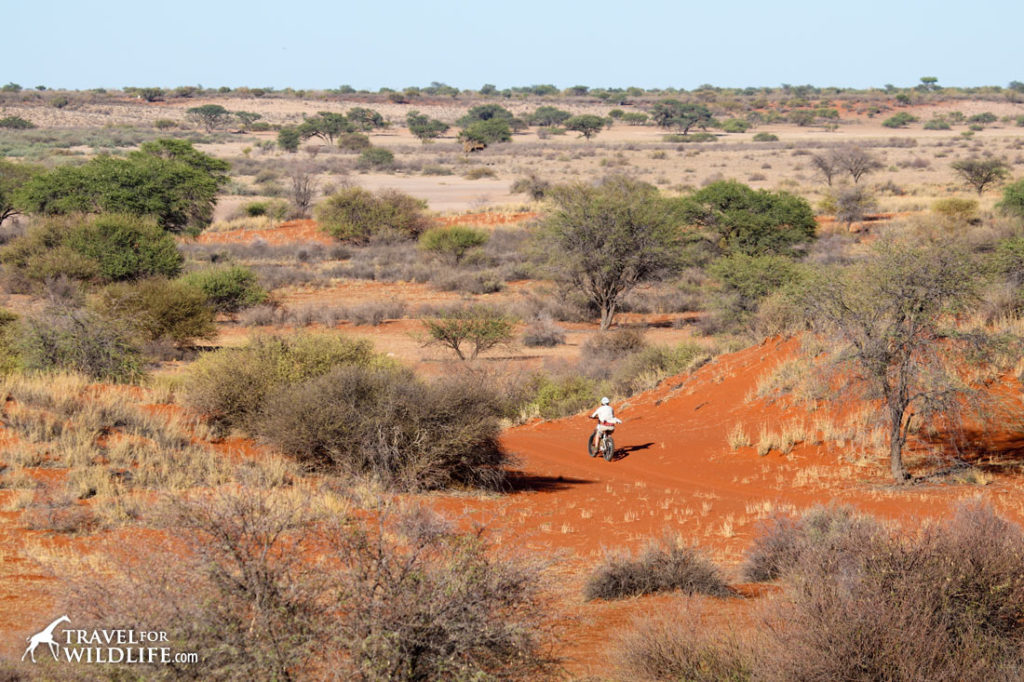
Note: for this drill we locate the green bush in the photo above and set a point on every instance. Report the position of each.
(685, 138)
(486, 132)
(735, 125)
(647, 367)
(289, 138)
(1013, 199)
(159, 309)
(766, 137)
(937, 124)
(126, 247)
(738, 219)
(228, 289)
(16, 123)
(376, 157)
(166, 179)
(556, 397)
(744, 281)
(231, 384)
(452, 241)
(354, 142)
(900, 120)
(957, 210)
(106, 248)
(356, 214)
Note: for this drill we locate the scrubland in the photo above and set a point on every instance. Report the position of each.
(320, 413)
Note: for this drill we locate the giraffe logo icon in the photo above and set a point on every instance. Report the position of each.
(44, 637)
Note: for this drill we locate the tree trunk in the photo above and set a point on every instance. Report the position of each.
(607, 313)
(896, 438)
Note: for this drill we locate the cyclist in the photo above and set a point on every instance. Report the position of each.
(606, 420)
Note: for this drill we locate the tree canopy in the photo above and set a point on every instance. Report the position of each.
(735, 218)
(167, 179)
(605, 239)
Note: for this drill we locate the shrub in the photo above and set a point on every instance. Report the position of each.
(480, 326)
(423, 602)
(166, 179)
(945, 603)
(354, 142)
(606, 348)
(737, 218)
(289, 138)
(453, 241)
(936, 124)
(556, 397)
(79, 341)
(274, 209)
(384, 424)
(357, 215)
(479, 173)
(106, 248)
(766, 137)
(1013, 199)
(780, 546)
(159, 309)
(735, 125)
(125, 247)
(744, 281)
(376, 157)
(486, 132)
(543, 332)
(230, 584)
(228, 289)
(16, 123)
(531, 185)
(679, 645)
(645, 368)
(664, 566)
(231, 384)
(900, 120)
(956, 210)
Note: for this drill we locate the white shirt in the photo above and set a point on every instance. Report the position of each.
(605, 413)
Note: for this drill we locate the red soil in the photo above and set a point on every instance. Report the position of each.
(675, 472)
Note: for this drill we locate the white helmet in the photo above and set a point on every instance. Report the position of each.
(605, 401)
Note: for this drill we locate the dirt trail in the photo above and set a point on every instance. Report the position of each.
(676, 472)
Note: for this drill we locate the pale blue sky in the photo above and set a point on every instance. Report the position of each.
(395, 43)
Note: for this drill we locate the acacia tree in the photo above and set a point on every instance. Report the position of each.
(424, 127)
(891, 317)
(980, 173)
(586, 125)
(210, 116)
(481, 327)
(325, 125)
(671, 113)
(605, 239)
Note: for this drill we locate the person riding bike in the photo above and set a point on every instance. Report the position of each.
(606, 420)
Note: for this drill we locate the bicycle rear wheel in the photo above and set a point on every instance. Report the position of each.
(591, 450)
(609, 448)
